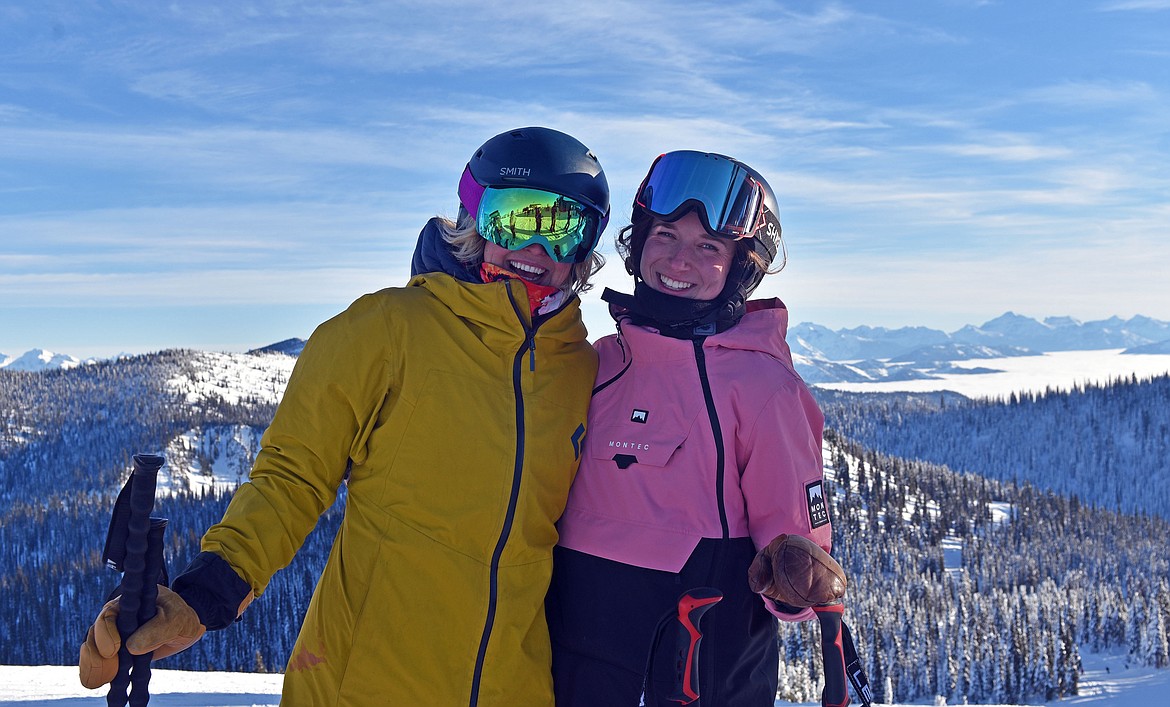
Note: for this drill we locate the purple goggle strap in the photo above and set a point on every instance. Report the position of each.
(470, 192)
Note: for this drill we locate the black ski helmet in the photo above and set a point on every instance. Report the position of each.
(541, 158)
(766, 241)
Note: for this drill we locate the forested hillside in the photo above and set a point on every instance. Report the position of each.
(1109, 445)
(961, 585)
(74, 431)
(66, 440)
(978, 590)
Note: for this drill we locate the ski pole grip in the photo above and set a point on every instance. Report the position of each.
(672, 667)
(691, 607)
(836, 690)
(141, 563)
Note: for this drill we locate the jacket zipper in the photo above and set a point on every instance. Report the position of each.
(720, 453)
(716, 568)
(529, 347)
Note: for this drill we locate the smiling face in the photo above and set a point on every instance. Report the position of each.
(680, 258)
(532, 263)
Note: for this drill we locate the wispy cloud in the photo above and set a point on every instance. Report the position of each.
(1009, 149)
(1093, 94)
(146, 287)
(932, 164)
(1137, 5)
(193, 88)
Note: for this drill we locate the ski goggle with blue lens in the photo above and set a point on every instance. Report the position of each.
(732, 200)
(517, 217)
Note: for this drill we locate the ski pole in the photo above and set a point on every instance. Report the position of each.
(672, 668)
(134, 546)
(840, 660)
(836, 691)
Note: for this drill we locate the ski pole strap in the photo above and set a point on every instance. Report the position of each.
(134, 546)
(841, 663)
(146, 468)
(853, 668)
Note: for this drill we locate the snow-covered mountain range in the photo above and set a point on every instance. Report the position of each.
(874, 354)
(40, 360)
(1006, 335)
(877, 354)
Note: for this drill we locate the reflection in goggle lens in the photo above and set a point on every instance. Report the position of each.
(515, 218)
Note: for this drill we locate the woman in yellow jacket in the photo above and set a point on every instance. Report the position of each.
(458, 406)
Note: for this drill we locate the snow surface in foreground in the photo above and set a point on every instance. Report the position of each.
(1105, 683)
(57, 686)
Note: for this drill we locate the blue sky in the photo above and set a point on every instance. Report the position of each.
(222, 175)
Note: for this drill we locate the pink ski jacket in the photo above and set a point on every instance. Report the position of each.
(713, 438)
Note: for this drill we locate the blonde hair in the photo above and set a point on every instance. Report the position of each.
(467, 247)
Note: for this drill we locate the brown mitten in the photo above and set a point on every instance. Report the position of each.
(175, 627)
(98, 661)
(795, 571)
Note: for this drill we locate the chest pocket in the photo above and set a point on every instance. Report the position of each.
(651, 443)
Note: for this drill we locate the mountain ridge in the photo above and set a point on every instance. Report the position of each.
(867, 354)
(1009, 332)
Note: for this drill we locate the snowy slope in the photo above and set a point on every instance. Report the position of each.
(59, 686)
(1106, 683)
(230, 377)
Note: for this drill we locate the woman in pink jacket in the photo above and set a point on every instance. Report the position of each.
(704, 448)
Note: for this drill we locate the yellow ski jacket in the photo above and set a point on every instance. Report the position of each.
(464, 423)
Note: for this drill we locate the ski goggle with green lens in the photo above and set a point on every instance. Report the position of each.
(732, 200)
(517, 217)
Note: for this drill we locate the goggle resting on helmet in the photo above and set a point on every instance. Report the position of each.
(731, 199)
(517, 217)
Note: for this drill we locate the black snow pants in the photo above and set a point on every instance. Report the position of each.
(602, 617)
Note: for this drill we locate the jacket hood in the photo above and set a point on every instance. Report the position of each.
(433, 254)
